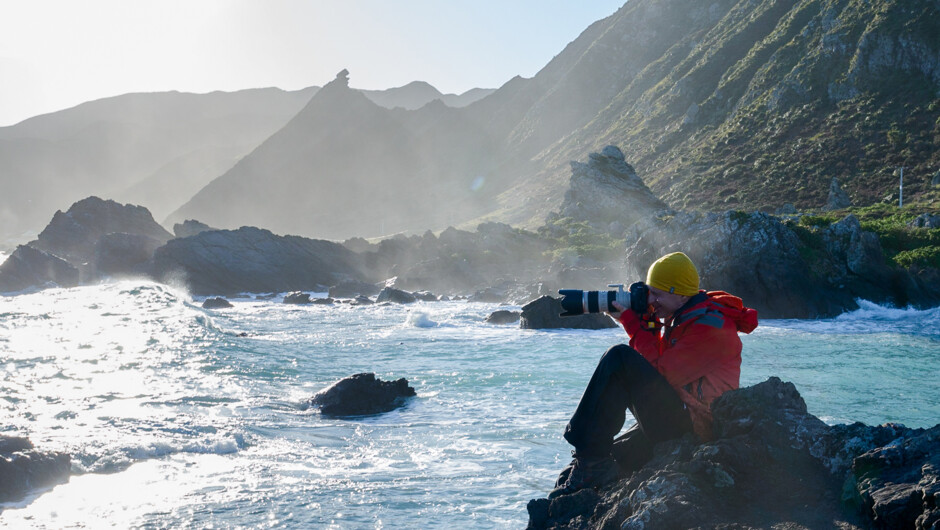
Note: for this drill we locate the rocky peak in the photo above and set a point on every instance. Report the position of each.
(606, 190)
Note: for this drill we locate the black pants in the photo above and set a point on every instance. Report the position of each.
(625, 380)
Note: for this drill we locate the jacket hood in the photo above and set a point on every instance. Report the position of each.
(732, 307)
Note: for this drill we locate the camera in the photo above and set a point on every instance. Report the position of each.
(577, 302)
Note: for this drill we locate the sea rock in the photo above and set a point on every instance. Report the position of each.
(322, 301)
(390, 294)
(361, 300)
(771, 464)
(216, 303)
(73, 235)
(503, 316)
(353, 288)
(252, 260)
(838, 198)
(362, 394)
(22, 468)
(543, 313)
(607, 190)
(120, 253)
(298, 298)
(425, 296)
(190, 227)
(28, 267)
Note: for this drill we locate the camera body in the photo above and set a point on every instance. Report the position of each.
(578, 302)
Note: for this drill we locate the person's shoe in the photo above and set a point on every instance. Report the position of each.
(584, 473)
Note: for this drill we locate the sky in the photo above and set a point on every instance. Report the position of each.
(55, 54)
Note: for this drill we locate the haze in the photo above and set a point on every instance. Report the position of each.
(55, 54)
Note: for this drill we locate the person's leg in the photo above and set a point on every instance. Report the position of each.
(624, 380)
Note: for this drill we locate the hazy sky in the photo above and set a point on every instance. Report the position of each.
(55, 54)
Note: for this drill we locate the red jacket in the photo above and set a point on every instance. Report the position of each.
(698, 350)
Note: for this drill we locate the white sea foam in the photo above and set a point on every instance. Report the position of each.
(871, 318)
(420, 319)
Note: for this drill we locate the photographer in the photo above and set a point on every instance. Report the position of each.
(684, 352)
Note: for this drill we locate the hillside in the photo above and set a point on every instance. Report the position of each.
(769, 101)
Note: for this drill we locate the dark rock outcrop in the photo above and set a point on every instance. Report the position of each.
(771, 464)
(298, 298)
(390, 294)
(72, 235)
(252, 260)
(543, 313)
(216, 303)
(22, 468)
(503, 316)
(28, 267)
(362, 394)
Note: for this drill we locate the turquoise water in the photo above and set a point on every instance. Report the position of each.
(176, 420)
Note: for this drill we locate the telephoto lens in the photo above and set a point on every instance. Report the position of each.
(578, 302)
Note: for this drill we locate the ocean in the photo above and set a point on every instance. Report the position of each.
(177, 416)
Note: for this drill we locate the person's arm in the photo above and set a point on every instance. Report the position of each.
(643, 333)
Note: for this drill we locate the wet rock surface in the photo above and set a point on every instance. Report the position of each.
(362, 394)
(23, 468)
(771, 464)
(216, 303)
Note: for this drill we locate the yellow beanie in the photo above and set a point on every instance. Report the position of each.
(674, 273)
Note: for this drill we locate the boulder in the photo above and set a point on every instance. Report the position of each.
(252, 260)
(22, 468)
(362, 394)
(770, 464)
(361, 300)
(352, 289)
(190, 227)
(503, 316)
(543, 313)
(28, 267)
(425, 296)
(297, 297)
(390, 294)
(322, 301)
(216, 303)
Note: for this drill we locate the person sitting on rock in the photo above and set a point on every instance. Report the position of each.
(684, 352)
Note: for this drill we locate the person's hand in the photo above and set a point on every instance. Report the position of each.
(620, 309)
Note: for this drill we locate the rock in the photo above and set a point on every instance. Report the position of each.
(606, 190)
(390, 294)
(425, 296)
(543, 313)
(22, 468)
(362, 394)
(190, 227)
(322, 301)
(28, 267)
(925, 220)
(74, 234)
(353, 288)
(298, 298)
(503, 316)
(771, 464)
(838, 199)
(120, 253)
(216, 303)
(362, 300)
(252, 260)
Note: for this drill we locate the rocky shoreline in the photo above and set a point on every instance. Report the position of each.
(771, 465)
(586, 244)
